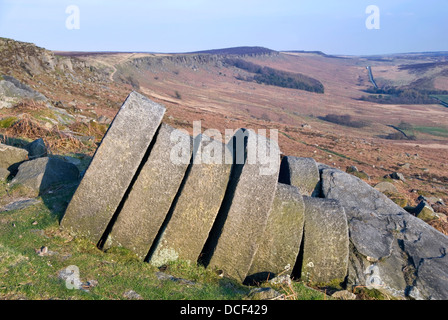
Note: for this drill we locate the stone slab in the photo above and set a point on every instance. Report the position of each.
(325, 241)
(280, 244)
(152, 194)
(302, 173)
(113, 167)
(198, 204)
(244, 215)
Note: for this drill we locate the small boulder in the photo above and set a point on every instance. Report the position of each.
(36, 149)
(405, 165)
(344, 295)
(11, 156)
(104, 120)
(19, 204)
(431, 200)
(386, 187)
(425, 212)
(351, 169)
(42, 173)
(396, 176)
(263, 293)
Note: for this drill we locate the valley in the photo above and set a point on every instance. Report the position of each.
(204, 87)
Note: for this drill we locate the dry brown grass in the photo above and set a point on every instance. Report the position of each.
(56, 140)
(440, 225)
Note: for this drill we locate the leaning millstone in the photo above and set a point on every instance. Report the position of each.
(198, 204)
(279, 247)
(391, 250)
(325, 241)
(302, 173)
(243, 217)
(152, 194)
(113, 167)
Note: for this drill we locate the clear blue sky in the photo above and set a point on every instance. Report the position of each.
(331, 26)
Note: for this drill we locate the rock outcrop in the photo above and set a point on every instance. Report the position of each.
(400, 248)
(250, 217)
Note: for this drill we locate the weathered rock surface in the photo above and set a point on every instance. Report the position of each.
(42, 173)
(36, 149)
(11, 156)
(280, 244)
(390, 249)
(4, 174)
(246, 206)
(113, 167)
(20, 204)
(151, 196)
(396, 176)
(302, 173)
(11, 87)
(196, 208)
(425, 212)
(386, 187)
(325, 241)
(344, 295)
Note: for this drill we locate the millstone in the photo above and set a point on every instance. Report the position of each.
(113, 167)
(198, 204)
(326, 241)
(279, 247)
(302, 173)
(243, 217)
(152, 194)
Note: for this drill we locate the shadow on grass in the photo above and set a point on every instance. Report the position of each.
(57, 196)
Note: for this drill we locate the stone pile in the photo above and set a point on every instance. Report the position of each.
(216, 206)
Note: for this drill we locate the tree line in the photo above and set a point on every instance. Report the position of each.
(275, 77)
(394, 95)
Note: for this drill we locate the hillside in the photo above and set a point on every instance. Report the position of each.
(203, 87)
(70, 98)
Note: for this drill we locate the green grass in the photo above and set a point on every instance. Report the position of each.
(442, 97)
(7, 122)
(24, 274)
(435, 131)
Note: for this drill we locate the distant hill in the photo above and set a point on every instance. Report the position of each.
(319, 53)
(238, 51)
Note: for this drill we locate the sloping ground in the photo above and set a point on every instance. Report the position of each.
(195, 88)
(198, 88)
